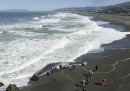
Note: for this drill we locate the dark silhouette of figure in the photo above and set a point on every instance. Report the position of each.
(60, 67)
(73, 67)
(88, 80)
(48, 73)
(96, 68)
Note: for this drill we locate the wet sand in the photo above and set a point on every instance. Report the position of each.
(115, 67)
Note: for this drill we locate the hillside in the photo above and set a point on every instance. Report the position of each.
(118, 8)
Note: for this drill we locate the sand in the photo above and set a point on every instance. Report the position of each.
(115, 67)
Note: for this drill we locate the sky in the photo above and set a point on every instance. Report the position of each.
(53, 4)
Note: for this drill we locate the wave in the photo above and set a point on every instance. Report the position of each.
(64, 15)
(58, 45)
(48, 21)
(17, 71)
(1, 32)
(101, 22)
(36, 18)
(43, 16)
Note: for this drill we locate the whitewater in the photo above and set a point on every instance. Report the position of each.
(30, 43)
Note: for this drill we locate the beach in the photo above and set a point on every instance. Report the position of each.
(114, 66)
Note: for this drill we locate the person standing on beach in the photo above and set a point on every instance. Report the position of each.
(104, 81)
(96, 68)
(88, 80)
(84, 89)
(90, 73)
(73, 67)
(84, 82)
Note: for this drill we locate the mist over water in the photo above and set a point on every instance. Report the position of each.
(31, 42)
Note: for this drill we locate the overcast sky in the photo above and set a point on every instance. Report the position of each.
(53, 4)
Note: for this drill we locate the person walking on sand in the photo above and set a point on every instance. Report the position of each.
(84, 89)
(90, 73)
(73, 67)
(84, 82)
(96, 68)
(88, 80)
(104, 81)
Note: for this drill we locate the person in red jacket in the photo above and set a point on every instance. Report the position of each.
(104, 81)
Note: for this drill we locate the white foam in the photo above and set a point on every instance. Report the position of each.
(24, 33)
(126, 33)
(101, 22)
(22, 76)
(48, 21)
(64, 15)
(43, 16)
(38, 26)
(58, 45)
(36, 18)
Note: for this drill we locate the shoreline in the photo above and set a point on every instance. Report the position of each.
(57, 79)
(113, 19)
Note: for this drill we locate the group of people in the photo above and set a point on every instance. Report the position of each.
(88, 78)
(84, 82)
(60, 67)
(53, 70)
(91, 72)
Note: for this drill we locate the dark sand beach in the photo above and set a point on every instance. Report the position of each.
(114, 66)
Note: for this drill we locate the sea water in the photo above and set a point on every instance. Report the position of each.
(29, 41)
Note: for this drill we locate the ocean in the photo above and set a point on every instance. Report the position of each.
(29, 41)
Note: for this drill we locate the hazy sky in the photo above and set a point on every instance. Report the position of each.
(53, 4)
